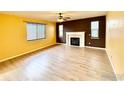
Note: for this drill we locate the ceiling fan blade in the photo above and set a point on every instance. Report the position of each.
(67, 17)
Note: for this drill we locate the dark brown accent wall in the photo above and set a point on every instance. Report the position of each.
(84, 25)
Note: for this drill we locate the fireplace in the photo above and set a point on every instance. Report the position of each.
(75, 41)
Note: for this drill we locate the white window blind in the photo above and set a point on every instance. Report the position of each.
(31, 31)
(95, 29)
(40, 31)
(60, 30)
(35, 31)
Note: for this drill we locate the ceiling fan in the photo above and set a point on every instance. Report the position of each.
(61, 18)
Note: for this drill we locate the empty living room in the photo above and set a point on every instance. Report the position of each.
(61, 45)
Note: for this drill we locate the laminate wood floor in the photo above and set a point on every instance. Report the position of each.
(59, 62)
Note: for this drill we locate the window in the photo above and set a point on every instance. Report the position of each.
(60, 30)
(35, 31)
(95, 30)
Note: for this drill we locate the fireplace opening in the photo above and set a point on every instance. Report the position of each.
(75, 41)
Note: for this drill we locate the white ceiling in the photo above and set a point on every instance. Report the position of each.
(52, 15)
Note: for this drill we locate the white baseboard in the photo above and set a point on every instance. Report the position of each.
(95, 47)
(84, 46)
(61, 43)
(25, 53)
(109, 56)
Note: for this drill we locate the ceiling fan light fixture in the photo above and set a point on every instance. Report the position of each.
(60, 19)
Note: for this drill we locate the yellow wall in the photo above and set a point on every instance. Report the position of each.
(13, 36)
(115, 41)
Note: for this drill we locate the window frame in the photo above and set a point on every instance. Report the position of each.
(44, 31)
(94, 29)
(62, 30)
(37, 38)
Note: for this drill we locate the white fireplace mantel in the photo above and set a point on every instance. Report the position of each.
(80, 35)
